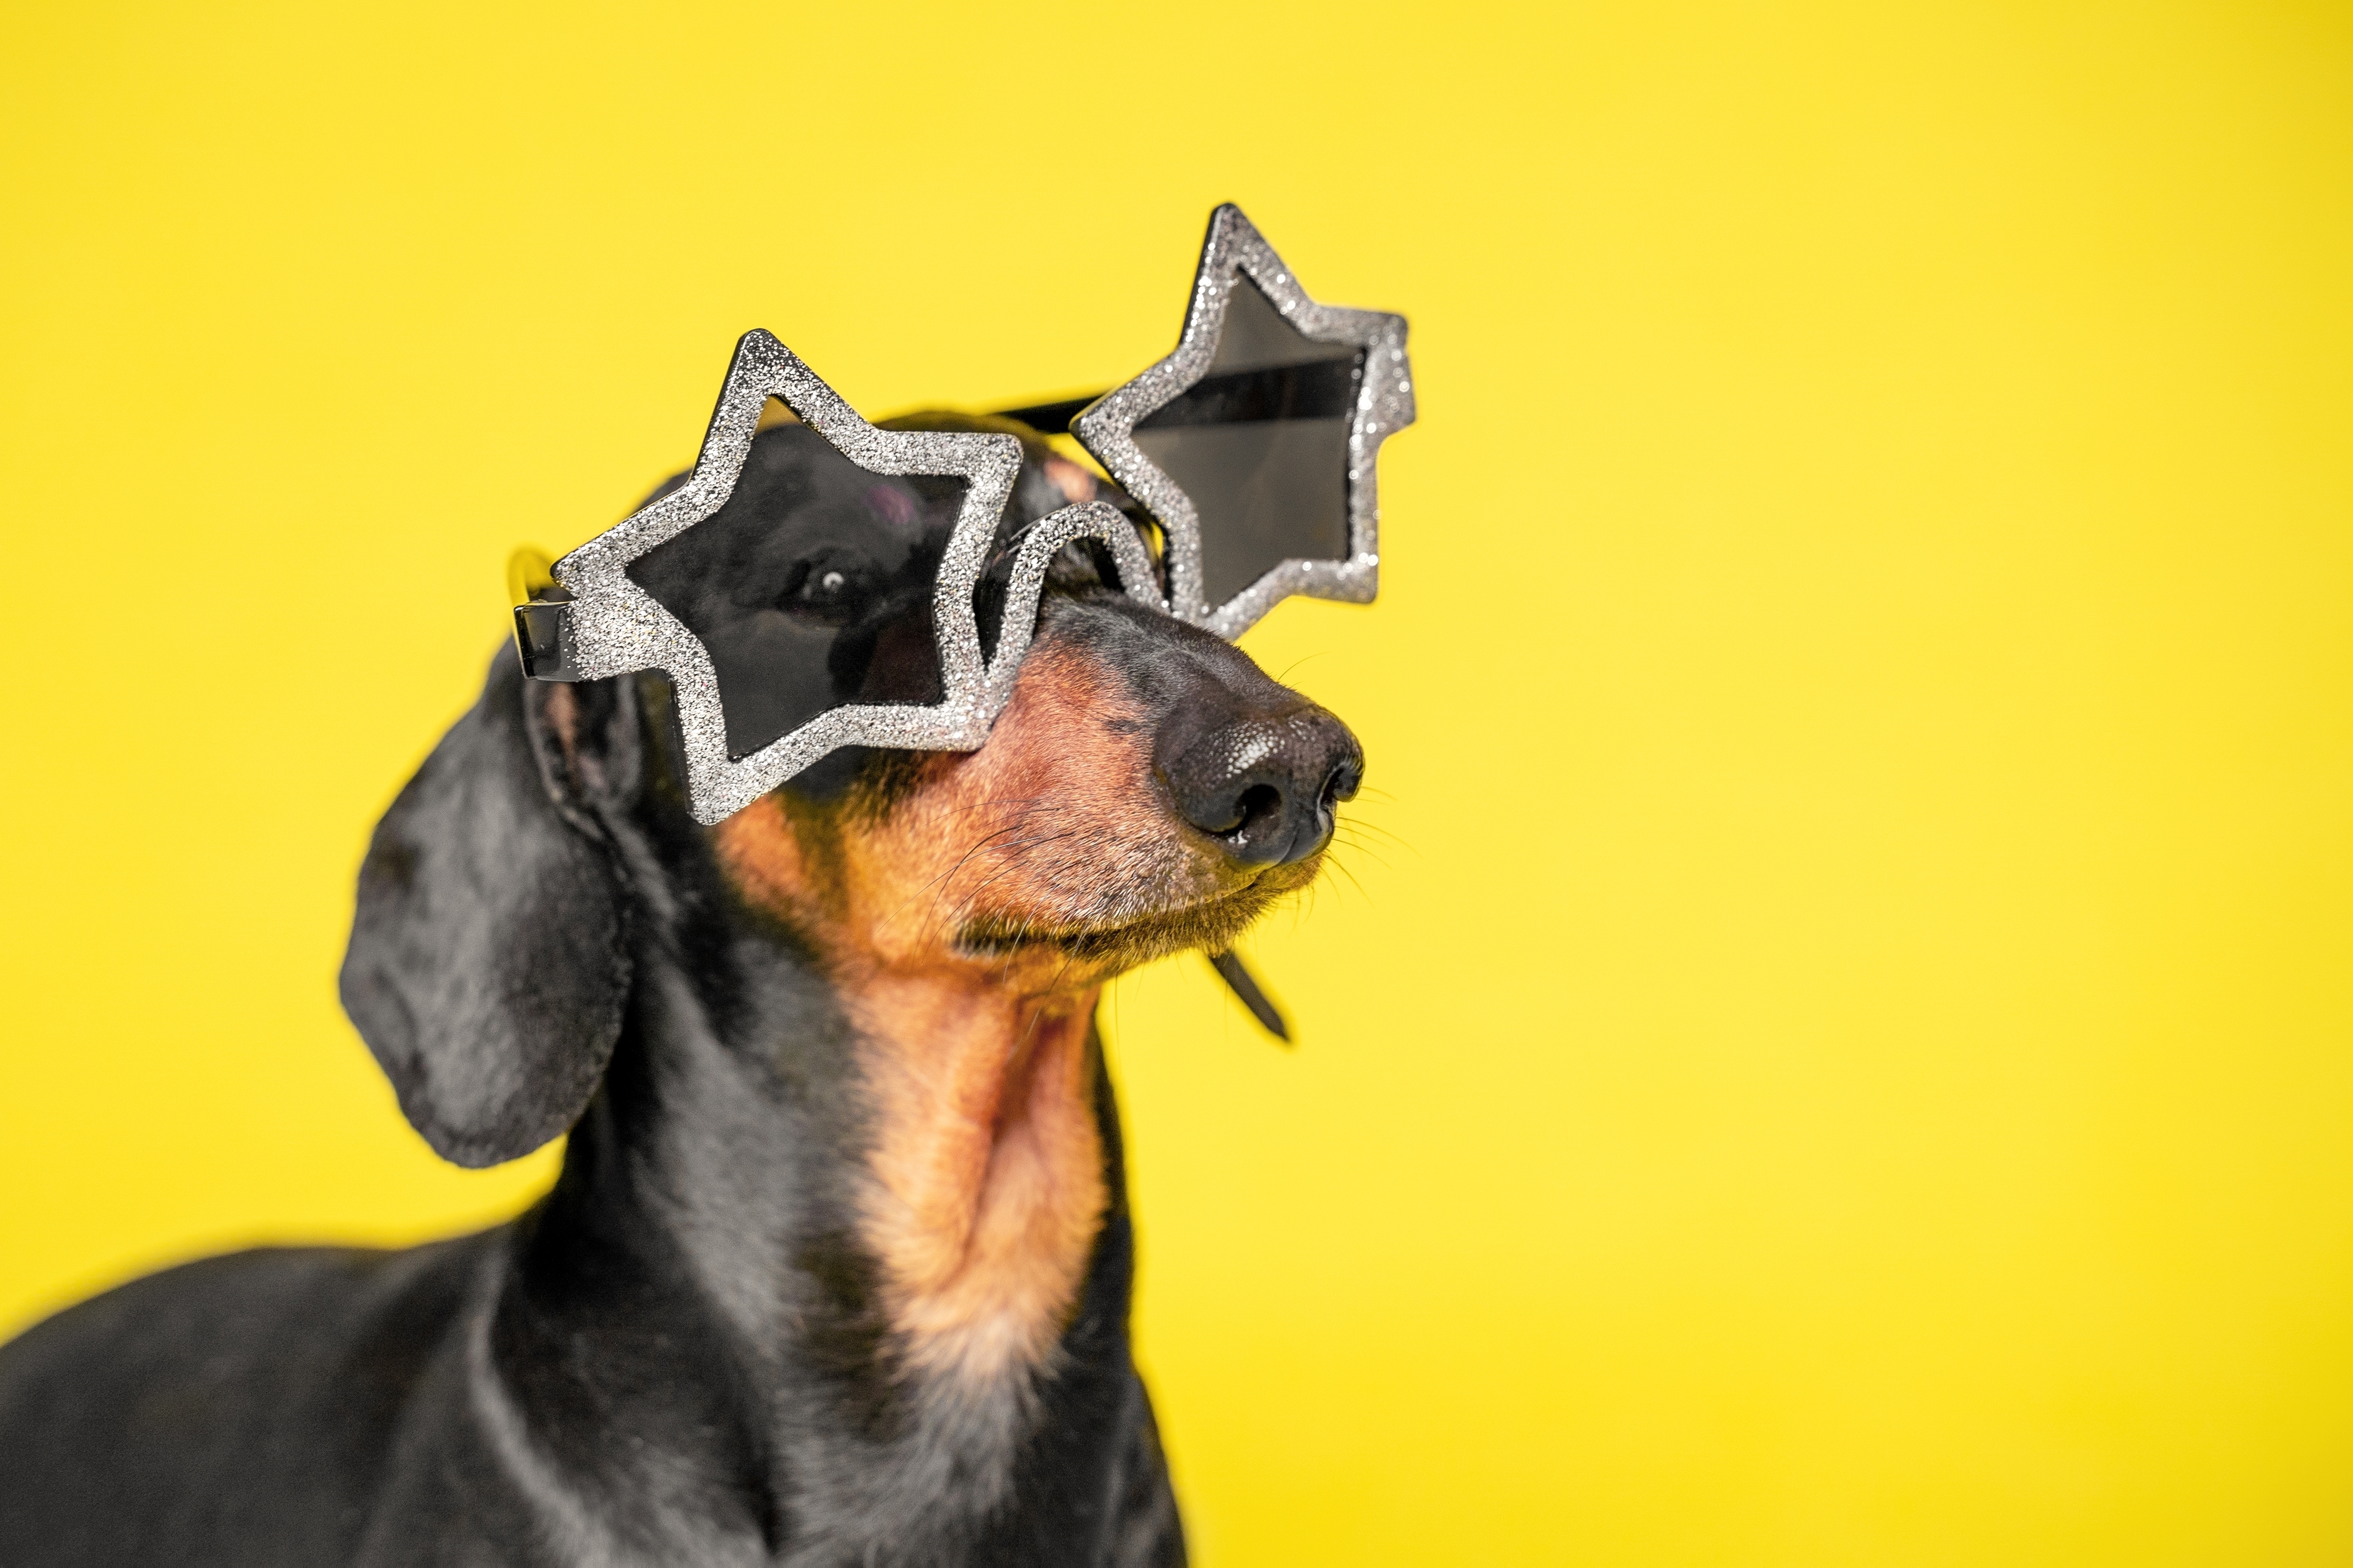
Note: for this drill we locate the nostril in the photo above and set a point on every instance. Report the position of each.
(1342, 783)
(1258, 804)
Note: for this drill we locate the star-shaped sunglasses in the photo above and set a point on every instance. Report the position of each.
(1251, 447)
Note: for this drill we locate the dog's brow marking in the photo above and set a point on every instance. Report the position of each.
(1077, 485)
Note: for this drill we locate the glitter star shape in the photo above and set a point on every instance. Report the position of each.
(1381, 406)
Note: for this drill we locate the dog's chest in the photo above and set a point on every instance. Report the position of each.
(985, 1192)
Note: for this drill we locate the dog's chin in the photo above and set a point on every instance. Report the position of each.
(1101, 950)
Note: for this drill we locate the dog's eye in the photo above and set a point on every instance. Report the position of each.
(828, 588)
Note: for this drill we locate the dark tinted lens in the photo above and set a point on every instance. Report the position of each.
(811, 588)
(1261, 446)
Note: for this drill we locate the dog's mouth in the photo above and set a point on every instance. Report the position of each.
(1211, 925)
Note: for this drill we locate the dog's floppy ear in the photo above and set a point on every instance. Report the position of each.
(488, 964)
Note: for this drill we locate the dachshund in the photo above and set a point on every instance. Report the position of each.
(837, 1270)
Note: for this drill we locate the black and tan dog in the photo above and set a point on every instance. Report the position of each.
(836, 1271)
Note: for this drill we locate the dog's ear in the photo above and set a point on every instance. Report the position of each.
(488, 964)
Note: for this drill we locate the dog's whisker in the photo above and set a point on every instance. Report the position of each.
(938, 887)
(965, 906)
(977, 844)
(1339, 842)
(1303, 658)
(1364, 824)
(983, 842)
(1036, 802)
(1342, 867)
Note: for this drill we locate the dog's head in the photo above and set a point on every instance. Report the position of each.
(1147, 789)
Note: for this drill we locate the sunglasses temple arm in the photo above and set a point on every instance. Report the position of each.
(1049, 418)
(1245, 987)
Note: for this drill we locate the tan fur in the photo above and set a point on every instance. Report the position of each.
(969, 928)
(1077, 485)
(563, 718)
(988, 1168)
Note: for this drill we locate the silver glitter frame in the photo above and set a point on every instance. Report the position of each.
(1384, 406)
(612, 626)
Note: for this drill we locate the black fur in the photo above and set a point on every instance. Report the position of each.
(489, 958)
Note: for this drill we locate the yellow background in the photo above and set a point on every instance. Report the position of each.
(1841, 1054)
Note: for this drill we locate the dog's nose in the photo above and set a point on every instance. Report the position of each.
(1264, 788)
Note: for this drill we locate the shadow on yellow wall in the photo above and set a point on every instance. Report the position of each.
(1832, 1047)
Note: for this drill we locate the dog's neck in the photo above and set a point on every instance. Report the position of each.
(885, 1182)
